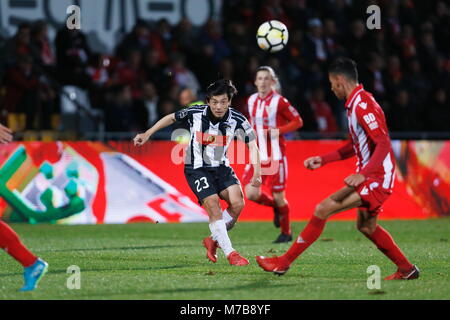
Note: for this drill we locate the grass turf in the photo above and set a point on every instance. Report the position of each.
(167, 261)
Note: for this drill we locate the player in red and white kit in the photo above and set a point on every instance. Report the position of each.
(367, 189)
(271, 116)
(34, 267)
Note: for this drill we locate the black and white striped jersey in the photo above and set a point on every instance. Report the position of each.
(211, 138)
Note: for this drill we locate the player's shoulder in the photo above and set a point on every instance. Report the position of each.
(189, 111)
(196, 107)
(365, 102)
(252, 98)
(282, 100)
(237, 114)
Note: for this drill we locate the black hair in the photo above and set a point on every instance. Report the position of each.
(346, 67)
(220, 87)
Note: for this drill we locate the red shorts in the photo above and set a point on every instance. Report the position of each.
(373, 195)
(273, 177)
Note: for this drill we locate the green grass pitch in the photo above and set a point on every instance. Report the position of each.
(167, 261)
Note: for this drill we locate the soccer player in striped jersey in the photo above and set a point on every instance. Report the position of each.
(34, 267)
(207, 168)
(271, 116)
(367, 189)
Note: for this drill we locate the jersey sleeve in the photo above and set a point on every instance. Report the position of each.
(291, 115)
(245, 132)
(185, 114)
(371, 118)
(287, 111)
(344, 152)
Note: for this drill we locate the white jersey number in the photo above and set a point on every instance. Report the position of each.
(199, 186)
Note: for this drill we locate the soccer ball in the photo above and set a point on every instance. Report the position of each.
(272, 36)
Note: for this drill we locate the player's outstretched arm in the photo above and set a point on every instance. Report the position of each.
(256, 162)
(5, 134)
(142, 138)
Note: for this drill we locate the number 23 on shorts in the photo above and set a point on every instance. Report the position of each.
(201, 184)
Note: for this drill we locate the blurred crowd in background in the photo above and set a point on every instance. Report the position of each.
(157, 68)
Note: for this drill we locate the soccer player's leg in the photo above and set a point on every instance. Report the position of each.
(219, 231)
(367, 225)
(234, 197)
(202, 184)
(34, 268)
(342, 200)
(230, 190)
(277, 183)
(256, 194)
(282, 212)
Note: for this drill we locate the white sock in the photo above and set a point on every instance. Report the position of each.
(226, 216)
(228, 219)
(220, 234)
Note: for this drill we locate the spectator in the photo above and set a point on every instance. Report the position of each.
(273, 10)
(154, 71)
(142, 39)
(22, 94)
(315, 46)
(357, 42)
(181, 75)
(42, 48)
(212, 35)
(72, 55)
(416, 82)
(188, 98)
(438, 111)
(404, 115)
(408, 42)
(130, 73)
(322, 112)
(427, 51)
(18, 45)
(186, 37)
(333, 41)
(120, 113)
(150, 101)
(373, 78)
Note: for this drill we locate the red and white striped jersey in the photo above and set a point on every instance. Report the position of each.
(273, 111)
(368, 128)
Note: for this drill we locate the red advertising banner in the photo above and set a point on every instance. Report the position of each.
(95, 183)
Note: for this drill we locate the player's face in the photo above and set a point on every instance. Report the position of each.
(337, 85)
(264, 82)
(219, 105)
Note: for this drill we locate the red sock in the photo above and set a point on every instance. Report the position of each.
(10, 242)
(284, 219)
(310, 234)
(265, 200)
(384, 242)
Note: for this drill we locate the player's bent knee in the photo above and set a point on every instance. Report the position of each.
(322, 210)
(366, 230)
(280, 202)
(237, 206)
(251, 195)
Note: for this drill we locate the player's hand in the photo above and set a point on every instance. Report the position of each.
(313, 163)
(256, 181)
(140, 139)
(354, 180)
(5, 134)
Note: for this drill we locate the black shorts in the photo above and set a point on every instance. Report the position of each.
(207, 181)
